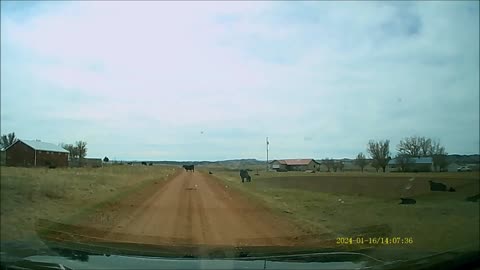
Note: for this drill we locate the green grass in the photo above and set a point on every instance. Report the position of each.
(65, 195)
(439, 220)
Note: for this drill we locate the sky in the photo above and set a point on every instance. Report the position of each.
(159, 80)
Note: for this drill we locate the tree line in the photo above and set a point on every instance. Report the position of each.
(77, 150)
(332, 164)
(7, 140)
(408, 148)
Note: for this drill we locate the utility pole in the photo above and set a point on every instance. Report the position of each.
(267, 153)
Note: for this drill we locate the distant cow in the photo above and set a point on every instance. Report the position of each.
(209, 172)
(407, 201)
(189, 168)
(474, 198)
(144, 163)
(244, 175)
(437, 186)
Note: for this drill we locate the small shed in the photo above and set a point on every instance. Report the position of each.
(35, 153)
(452, 167)
(413, 164)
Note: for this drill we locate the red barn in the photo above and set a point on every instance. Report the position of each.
(27, 153)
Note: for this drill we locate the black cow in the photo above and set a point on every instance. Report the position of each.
(144, 163)
(407, 201)
(209, 172)
(244, 175)
(189, 168)
(437, 186)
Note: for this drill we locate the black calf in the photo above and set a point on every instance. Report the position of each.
(407, 201)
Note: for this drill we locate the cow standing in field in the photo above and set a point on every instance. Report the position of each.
(189, 168)
(244, 175)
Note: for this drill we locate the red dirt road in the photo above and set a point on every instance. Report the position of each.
(194, 208)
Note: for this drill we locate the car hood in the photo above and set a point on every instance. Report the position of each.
(130, 262)
(56, 257)
(139, 256)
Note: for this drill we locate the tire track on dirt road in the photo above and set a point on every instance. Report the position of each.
(195, 208)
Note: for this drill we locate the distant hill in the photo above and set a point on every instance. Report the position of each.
(232, 163)
(242, 163)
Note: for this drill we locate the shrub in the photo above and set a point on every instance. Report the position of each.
(53, 189)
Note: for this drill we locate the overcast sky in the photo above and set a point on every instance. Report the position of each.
(210, 80)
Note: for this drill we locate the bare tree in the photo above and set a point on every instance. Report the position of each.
(402, 161)
(439, 156)
(71, 149)
(340, 165)
(8, 140)
(361, 161)
(328, 163)
(77, 150)
(81, 148)
(415, 146)
(375, 165)
(410, 146)
(425, 146)
(334, 165)
(380, 152)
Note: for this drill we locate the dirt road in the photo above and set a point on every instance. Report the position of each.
(195, 208)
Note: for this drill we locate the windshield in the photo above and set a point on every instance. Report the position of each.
(240, 129)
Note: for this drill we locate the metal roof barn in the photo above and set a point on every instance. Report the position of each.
(28, 153)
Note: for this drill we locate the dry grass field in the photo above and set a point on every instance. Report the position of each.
(341, 203)
(28, 194)
(324, 205)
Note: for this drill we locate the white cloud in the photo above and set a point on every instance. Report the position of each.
(159, 72)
